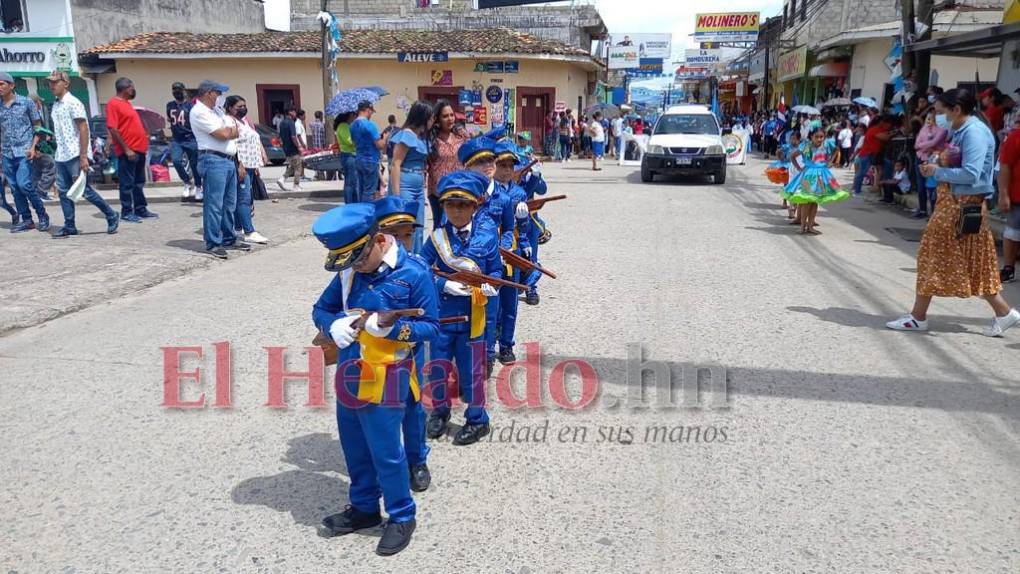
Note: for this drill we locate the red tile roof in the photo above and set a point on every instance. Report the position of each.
(493, 41)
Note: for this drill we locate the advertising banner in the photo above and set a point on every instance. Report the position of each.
(702, 58)
(653, 65)
(623, 57)
(423, 57)
(727, 27)
(686, 74)
(648, 45)
(792, 64)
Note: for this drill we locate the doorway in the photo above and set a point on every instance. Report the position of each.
(433, 94)
(274, 99)
(534, 104)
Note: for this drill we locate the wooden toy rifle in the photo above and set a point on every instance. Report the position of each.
(539, 202)
(477, 279)
(523, 263)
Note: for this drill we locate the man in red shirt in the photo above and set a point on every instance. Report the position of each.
(874, 139)
(130, 145)
(1009, 201)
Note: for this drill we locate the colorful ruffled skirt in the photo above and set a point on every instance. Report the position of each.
(815, 184)
(778, 172)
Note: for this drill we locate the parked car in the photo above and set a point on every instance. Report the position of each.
(273, 144)
(685, 141)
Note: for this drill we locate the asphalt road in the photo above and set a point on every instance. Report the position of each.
(829, 445)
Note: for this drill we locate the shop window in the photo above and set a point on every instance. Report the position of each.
(12, 16)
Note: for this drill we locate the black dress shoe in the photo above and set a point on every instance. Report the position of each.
(531, 297)
(348, 521)
(436, 425)
(395, 537)
(489, 364)
(66, 232)
(506, 356)
(238, 246)
(470, 434)
(421, 478)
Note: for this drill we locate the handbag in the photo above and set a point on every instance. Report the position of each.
(258, 187)
(971, 218)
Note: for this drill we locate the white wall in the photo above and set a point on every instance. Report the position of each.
(1009, 75)
(47, 18)
(954, 70)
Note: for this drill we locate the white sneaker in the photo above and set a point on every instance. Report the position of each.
(1000, 324)
(907, 323)
(256, 237)
(297, 188)
(189, 190)
(198, 194)
(283, 184)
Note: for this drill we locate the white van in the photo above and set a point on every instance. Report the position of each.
(685, 141)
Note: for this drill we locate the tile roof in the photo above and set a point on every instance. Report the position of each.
(494, 40)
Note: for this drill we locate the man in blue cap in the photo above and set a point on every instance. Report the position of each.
(515, 220)
(397, 217)
(462, 244)
(375, 367)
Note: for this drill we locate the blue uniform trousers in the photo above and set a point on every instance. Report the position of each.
(469, 356)
(491, 317)
(507, 323)
(370, 438)
(414, 418)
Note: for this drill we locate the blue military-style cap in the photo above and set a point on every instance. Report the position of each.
(475, 149)
(463, 185)
(345, 231)
(496, 133)
(392, 210)
(505, 150)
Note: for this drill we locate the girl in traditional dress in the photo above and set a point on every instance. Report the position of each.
(814, 185)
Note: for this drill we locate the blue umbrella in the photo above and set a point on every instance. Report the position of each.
(347, 101)
(379, 90)
(865, 101)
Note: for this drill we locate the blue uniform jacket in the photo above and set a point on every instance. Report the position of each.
(516, 195)
(534, 185)
(408, 285)
(501, 213)
(482, 248)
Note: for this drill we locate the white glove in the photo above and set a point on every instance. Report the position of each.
(342, 332)
(536, 169)
(527, 252)
(522, 210)
(489, 290)
(373, 328)
(457, 289)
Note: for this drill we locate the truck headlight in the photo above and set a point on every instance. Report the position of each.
(715, 150)
(655, 150)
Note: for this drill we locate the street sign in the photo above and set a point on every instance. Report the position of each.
(703, 58)
(560, 107)
(423, 57)
(727, 27)
(494, 94)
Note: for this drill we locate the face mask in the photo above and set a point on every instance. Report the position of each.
(942, 121)
(241, 112)
(931, 99)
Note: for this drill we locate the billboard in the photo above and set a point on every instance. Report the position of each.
(686, 74)
(648, 45)
(703, 58)
(623, 57)
(792, 64)
(727, 27)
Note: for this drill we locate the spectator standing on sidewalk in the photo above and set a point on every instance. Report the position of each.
(846, 143)
(18, 119)
(930, 140)
(182, 142)
(130, 145)
(73, 151)
(292, 148)
(1009, 202)
(368, 143)
(551, 134)
(216, 134)
(317, 133)
(342, 128)
(302, 131)
(251, 155)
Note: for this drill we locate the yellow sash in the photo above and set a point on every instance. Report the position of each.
(377, 356)
(478, 301)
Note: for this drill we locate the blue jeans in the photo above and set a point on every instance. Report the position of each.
(3, 198)
(565, 146)
(131, 179)
(368, 179)
(242, 213)
(863, 165)
(18, 173)
(67, 173)
(412, 188)
(177, 152)
(220, 189)
(351, 192)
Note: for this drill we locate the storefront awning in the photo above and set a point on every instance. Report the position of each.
(830, 70)
(957, 22)
(984, 43)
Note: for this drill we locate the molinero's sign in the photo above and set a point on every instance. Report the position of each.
(9, 57)
(727, 26)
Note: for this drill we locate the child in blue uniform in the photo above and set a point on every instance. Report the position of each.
(519, 243)
(375, 368)
(533, 184)
(462, 243)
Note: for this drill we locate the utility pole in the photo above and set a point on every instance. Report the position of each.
(765, 86)
(907, 58)
(922, 62)
(327, 79)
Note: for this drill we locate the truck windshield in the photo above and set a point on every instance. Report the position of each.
(687, 124)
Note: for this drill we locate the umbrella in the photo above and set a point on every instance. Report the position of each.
(151, 120)
(606, 109)
(378, 90)
(836, 102)
(811, 111)
(864, 101)
(347, 101)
